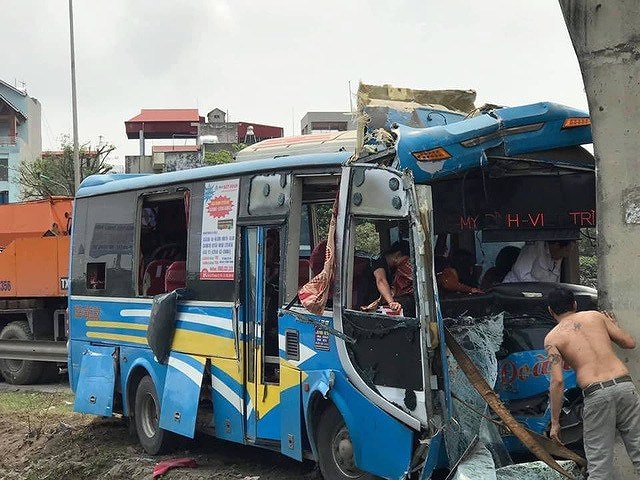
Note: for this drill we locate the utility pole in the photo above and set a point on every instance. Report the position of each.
(606, 38)
(74, 105)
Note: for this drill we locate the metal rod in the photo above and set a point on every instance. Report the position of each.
(42, 351)
(74, 105)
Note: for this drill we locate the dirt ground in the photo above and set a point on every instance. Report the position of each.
(41, 438)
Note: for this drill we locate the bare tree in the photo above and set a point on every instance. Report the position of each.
(52, 174)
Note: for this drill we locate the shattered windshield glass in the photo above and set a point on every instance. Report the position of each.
(481, 339)
(474, 444)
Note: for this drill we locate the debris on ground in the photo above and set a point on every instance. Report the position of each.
(163, 467)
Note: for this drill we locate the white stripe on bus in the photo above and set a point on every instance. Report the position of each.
(305, 352)
(183, 367)
(227, 393)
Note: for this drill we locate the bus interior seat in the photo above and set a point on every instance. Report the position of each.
(175, 276)
(154, 276)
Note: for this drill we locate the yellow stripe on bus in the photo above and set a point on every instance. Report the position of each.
(230, 366)
(125, 325)
(200, 360)
(204, 344)
(117, 336)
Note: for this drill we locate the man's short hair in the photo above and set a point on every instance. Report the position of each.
(561, 300)
(401, 246)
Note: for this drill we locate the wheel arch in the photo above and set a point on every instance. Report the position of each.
(317, 404)
(138, 370)
(366, 423)
(7, 318)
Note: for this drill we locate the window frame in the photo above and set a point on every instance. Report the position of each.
(176, 193)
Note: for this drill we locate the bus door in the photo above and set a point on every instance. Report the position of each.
(385, 209)
(261, 245)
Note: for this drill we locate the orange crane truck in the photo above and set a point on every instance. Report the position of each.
(34, 263)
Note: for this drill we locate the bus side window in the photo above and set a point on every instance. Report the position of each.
(382, 247)
(163, 245)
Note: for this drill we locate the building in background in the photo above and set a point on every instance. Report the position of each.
(164, 158)
(218, 134)
(178, 125)
(20, 137)
(191, 135)
(324, 122)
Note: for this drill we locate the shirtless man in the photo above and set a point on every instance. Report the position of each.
(583, 341)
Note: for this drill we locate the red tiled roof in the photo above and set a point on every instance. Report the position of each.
(175, 148)
(167, 115)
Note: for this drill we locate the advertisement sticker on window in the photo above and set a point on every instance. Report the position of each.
(218, 241)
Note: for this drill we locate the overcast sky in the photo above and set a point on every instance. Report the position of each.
(270, 61)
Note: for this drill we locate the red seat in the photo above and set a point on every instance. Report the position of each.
(176, 276)
(154, 277)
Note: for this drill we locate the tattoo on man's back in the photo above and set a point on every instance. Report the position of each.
(576, 326)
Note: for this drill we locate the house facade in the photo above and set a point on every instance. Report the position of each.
(20, 137)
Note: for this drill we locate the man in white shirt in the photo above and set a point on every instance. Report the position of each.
(539, 262)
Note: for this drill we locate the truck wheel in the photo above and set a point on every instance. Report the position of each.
(154, 440)
(19, 372)
(335, 451)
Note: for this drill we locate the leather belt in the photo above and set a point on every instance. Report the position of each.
(593, 387)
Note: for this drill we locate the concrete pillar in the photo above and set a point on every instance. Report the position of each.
(606, 38)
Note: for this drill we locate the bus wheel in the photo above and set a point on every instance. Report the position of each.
(154, 440)
(19, 372)
(335, 451)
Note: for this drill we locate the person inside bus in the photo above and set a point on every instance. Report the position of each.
(539, 262)
(375, 285)
(505, 259)
(457, 276)
(402, 288)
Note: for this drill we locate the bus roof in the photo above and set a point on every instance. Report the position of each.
(103, 184)
(313, 143)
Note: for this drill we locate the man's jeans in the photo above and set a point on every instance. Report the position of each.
(605, 411)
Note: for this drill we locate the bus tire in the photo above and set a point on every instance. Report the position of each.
(153, 439)
(335, 452)
(19, 372)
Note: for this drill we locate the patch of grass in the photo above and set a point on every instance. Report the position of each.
(36, 402)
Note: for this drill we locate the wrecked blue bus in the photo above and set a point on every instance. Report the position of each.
(183, 303)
